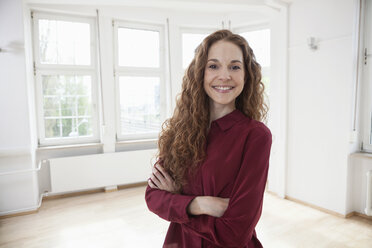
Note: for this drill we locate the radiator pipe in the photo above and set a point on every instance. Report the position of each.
(368, 210)
(22, 171)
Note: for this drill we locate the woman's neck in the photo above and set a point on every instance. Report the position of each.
(217, 112)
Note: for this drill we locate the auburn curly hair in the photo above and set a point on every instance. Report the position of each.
(182, 141)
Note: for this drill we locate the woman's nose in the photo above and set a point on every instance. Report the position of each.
(224, 74)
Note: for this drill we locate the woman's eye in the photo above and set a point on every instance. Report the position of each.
(212, 66)
(235, 67)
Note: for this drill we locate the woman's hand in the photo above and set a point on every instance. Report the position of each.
(160, 179)
(209, 205)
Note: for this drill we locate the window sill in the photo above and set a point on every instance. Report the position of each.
(134, 145)
(362, 154)
(142, 141)
(56, 147)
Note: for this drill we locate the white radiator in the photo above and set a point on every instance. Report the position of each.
(100, 170)
(368, 210)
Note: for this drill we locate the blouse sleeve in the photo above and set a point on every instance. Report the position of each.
(169, 206)
(235, 228)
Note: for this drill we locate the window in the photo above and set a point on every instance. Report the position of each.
(140, 80)
(190, 41)
(65, 72)
(259, 41)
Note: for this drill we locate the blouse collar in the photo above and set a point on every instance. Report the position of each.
(227, 121)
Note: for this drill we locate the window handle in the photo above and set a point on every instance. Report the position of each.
(366, 55)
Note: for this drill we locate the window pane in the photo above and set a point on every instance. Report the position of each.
(138, 48)
(67, 105)
(51, 106)
(259, 41)
(63, 42)
(139, 105)
(52, 128)
(189, 43)
(67, 129)
(84, 108)
(85, 126)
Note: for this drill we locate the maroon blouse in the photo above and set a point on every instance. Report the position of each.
(236, 167)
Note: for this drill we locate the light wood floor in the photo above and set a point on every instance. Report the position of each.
(121, 219)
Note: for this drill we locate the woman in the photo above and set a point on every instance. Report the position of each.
(214, 152)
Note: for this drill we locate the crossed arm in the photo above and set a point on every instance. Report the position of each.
(226, 222)
(209, 205)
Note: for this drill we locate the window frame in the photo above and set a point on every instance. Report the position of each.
(265, 70)
(192, 30)
(55, 69)
(120, 71)
(366, 95)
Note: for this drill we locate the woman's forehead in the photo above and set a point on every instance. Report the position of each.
(225, 50)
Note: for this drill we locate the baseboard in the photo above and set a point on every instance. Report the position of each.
(350, 214)
(72, 194)
(329, 211)
(311, 205)
(360, 215)
(315, 207)
(133, 185)
(19, 214)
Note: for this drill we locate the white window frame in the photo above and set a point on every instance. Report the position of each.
(265, 70)
(177, 54)
(55, 69)
(193, 30)
(139, 72)
(366, 81)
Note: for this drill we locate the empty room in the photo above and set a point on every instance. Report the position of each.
(186, 123)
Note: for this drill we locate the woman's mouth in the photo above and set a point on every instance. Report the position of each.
(223, 89)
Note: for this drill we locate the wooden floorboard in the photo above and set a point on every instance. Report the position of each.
(121, 219)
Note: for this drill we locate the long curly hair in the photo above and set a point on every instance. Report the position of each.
(182, 141)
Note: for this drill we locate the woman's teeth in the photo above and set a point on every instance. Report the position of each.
(222, 88)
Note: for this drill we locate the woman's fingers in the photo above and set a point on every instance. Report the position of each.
(156, 181)
(164, 173)
(158, 175)
(162, 180)
(171, 186)
(151, 184)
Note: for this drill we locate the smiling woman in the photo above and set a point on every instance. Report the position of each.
(224, 75)
(214, 152)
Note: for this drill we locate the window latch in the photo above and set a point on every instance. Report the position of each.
(366, 55)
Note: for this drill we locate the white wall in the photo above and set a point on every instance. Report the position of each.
(13, 91)
(17, 191)
(319, 102)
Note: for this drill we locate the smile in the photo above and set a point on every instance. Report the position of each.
(223, 89)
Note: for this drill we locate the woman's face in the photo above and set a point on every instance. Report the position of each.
(224, 74)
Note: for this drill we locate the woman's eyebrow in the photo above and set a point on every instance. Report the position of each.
(232, 61)
(236, 61)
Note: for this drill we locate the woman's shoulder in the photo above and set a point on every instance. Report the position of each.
(253, 127)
